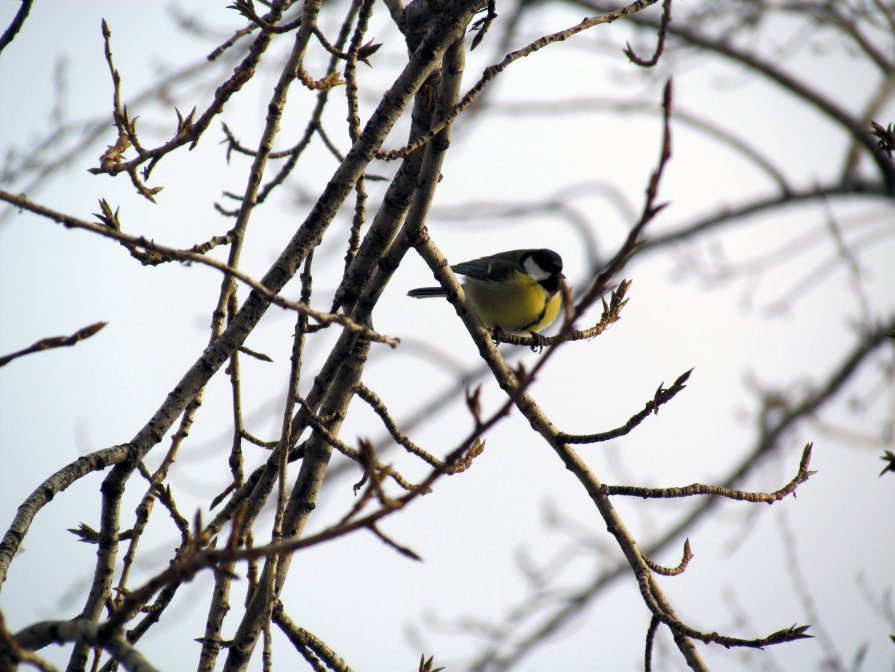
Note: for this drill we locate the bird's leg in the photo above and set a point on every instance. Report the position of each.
(497, 335)
(538, 341)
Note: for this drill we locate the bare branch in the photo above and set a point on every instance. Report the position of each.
(662, 396)
(494, 70)
(54, 342)
(774, 72)
(16, 24)
(650, 640)
(11, 653)
(647, 590)
(302, 639)
(672, 571)
(699, 489)
(192, 132)
(660, 40)
(86, 632)
(611, 314)
(44, 493)
(766, 442)
(247, 9)
(163, 252)
(357, 455)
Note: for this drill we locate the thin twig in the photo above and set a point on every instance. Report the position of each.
(648, 588)
(379, 407)
(660, 40)
(354, 454)
(650, 640)
(672, 571)
(247, 9)
(611, 314)
(699, 489)
(662, 396)
(494, 70)
(16, 24)
(54, 342)
(173, 254)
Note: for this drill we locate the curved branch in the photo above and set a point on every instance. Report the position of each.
(830, 11)
(682, 115)
(763, 204)
(699, 489)
(42, 494)
(672, 571)
(660, 41)
(16, 24)
(771, 71)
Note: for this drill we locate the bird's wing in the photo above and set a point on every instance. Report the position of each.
(486, 268)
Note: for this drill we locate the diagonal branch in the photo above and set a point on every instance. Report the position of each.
(16, 24)
(494, 70)
(662, 396)
(159, 252)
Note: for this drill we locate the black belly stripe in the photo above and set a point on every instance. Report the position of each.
(540, 315)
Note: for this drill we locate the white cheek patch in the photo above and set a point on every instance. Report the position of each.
(531, 267)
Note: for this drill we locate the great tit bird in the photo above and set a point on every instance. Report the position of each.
(515, 291)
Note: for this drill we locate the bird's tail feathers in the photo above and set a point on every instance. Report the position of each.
(426, 292)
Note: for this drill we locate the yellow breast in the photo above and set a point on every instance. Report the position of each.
(520, 305)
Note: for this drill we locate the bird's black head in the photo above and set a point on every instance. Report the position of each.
(545, 266)
(549, 260)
